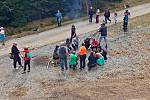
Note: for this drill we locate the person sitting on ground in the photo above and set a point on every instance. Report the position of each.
(55, 55)
(100, 61)
(27, 58)
(91, 61)
(104, 54)
(97, 54)
(87, 43)
(94, 44)
(73, 60)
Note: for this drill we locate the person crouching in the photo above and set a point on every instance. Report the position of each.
(73, 60)
(91, 61)
(27, 58)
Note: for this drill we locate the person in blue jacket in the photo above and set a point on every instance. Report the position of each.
(59, 18)
(125, 23)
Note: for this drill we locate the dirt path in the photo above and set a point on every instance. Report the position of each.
(57, 34)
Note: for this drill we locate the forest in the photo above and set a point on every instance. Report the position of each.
(15, 13)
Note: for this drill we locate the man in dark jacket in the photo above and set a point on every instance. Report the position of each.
(103, 33)
(15, 52)
(91, 13)
(107, 15)
(63, 57)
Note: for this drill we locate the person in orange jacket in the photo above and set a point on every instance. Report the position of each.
(82, 54)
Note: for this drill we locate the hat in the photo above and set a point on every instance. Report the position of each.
(15, 43)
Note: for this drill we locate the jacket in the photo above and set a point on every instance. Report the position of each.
(82, 50)
(94, 43)
(27, 55)
(73, 59)
(91, 12)
(15, 52)
(103, 31)
(100, 61)
(63, 52)
(92, 60)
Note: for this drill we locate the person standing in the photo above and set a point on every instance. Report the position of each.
(125, 23)
(91, 13)
(97, 15)
(107, 15)
(73, 32)
(82, 54)
(115, 17)
(63, 56)
(2, 35)
(27, 59)
(103, 33)
(15, 53)
(59, 17)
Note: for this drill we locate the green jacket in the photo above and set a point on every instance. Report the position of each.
(73, 59)
(100, 61)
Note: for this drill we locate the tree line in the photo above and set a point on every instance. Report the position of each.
(16, 13)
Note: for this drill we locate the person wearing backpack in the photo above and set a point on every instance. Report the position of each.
(27, 58)
(63, 52)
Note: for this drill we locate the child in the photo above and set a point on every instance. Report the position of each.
(73, 60)
(2, 35)
(55, 55)
(115, 17)
(27, 58)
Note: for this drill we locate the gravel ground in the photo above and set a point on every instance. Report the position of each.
(124, 77)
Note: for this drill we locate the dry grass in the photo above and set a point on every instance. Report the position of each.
(133, 24)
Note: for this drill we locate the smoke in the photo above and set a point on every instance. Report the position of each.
(74, 9)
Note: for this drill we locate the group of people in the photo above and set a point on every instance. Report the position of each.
(106, 17)
(90, 47)
(17, 55)
(91, 14)
(70, 49)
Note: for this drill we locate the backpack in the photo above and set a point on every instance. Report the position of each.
(28, 55)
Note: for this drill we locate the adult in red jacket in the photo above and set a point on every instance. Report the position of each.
(94, 44)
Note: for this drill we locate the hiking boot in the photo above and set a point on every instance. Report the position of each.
(28, 71)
